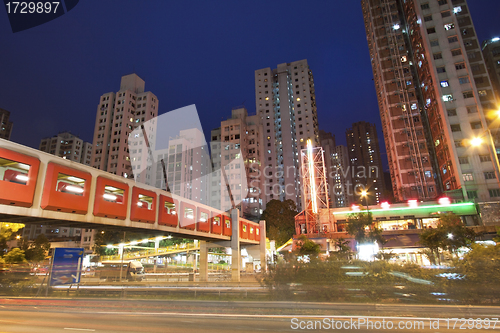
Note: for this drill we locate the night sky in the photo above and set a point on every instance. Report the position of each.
(190, 52)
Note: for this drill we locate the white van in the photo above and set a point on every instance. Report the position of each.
(132, 271)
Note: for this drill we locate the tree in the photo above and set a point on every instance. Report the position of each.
(481, 264)
(14, 256)
(343, 249)
(450, 235)
(457, 234)
(357, 225)
(280, 220)
(306, 247)
(431, 239)
(6, 232)
(37, 250)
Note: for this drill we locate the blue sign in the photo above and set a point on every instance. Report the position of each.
(66, 266)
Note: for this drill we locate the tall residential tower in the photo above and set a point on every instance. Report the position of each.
(435, 99)
(366, 165)
(117, 115)
(286, 105)
(240, 134)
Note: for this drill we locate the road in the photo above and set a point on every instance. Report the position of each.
(67, 315)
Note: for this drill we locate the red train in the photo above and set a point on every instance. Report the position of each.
(67, 189)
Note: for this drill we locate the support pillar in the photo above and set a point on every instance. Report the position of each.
(262, 246)
(203, 261)
(157, 245)
(235, 246)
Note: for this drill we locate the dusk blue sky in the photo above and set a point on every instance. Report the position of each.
(190, 52)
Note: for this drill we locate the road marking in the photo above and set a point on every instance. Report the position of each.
(80, 329)
(234, 315)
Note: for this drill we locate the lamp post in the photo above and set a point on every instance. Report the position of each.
(364, 194)
(478, 140)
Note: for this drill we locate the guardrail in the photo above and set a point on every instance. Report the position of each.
(154, 252)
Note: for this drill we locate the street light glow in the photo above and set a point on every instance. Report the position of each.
(476, 142)
(364, 193)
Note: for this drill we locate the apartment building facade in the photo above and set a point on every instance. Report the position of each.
(343, 188)
(491, 55)
(118, 114)
(286, 105)
(435, 99)
(187, 166)
(237, 151)
(366, 164)
(67, 146)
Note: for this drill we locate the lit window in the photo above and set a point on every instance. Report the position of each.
(448, 98)
(449, 26)
(468, 177)
(444, 83)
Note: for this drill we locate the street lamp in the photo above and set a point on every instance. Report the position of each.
(487, 138)
(364, 194)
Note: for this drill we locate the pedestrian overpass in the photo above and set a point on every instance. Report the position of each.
(39, 188)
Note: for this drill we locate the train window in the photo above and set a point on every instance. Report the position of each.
(14, 172)
(257, 232)
(203, 217)
(170, 207)
(145, 201)
(244, 228)
(216, 220)
(251, 230)
(70, 184)
(228, 223)
(113, 194)
(188, 213)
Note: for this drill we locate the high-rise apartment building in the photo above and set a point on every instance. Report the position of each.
(286, 105)
(366, 165)
(5, 125)
(187, 166)
(118, 114)
(491, 54)
(434, 98)
(68, 146)
(239, 137)
(343, 187)
(327, 142)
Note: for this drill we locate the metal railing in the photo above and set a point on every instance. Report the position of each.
(178, 248)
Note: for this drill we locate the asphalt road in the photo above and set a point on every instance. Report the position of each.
(65, 315)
